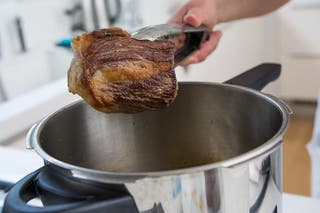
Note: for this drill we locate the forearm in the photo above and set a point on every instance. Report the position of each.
(228, 10)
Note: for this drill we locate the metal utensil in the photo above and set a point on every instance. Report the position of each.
(165, 31)
(193, 37)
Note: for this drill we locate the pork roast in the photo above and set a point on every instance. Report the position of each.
(115, 73)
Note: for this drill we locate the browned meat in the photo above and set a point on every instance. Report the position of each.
(114, 73)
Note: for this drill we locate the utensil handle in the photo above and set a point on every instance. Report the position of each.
(26, 189)
(257, 77)
(193, 41)
(21, 35)
(113, 17)
(5, 185)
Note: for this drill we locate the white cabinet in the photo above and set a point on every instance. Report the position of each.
(43, 23)
(300, 78)
(29, 79)
(300, 50)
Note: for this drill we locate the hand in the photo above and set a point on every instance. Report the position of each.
(196, 13)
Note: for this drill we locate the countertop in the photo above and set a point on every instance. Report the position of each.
(16, 163)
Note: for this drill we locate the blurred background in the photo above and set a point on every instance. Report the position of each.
(35, 56)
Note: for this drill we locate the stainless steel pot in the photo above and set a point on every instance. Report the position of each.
(217, 148)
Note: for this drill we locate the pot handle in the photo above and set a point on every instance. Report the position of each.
(257, 77)
(30, 135)
(5, 185)
(25, 190)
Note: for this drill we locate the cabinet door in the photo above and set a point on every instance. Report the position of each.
(301, 78)
(300, 52)
(300, 31)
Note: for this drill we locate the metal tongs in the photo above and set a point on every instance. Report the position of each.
(192, 37)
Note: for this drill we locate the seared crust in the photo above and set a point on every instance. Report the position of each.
(115, 73)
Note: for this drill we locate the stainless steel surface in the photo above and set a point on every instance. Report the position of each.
(284, 105)
(30, 136)
(165, 31)
(217, 148)
(236, 189)
(187, 39)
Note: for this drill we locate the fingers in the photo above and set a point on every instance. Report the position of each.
(210, 45)
(192, 19)
(205, 49)
(179, 15)
(196, 13)
(197, 16)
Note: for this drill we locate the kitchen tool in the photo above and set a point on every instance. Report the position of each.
(113, 16)
(3, 96)
(194, 36)
(99, 14)
(64, 42)
(130, 17)
(217, 148)
(19, 28)
(95, 14)
(166, 31)
(76, 15)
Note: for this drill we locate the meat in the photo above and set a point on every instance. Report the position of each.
(114, 73)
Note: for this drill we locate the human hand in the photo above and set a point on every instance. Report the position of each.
(196, 13)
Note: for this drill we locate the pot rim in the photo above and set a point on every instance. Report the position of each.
(82, 172)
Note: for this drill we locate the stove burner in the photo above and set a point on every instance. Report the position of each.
(64, 194)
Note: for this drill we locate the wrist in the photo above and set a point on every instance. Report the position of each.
(220, 13)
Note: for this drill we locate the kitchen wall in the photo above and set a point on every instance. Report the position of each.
(31, 59)
(34, 77)
(300, 50)
(32, 67)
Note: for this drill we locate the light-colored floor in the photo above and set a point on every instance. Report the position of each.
(296, 162)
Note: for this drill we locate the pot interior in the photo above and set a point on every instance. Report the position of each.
(205, 124)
